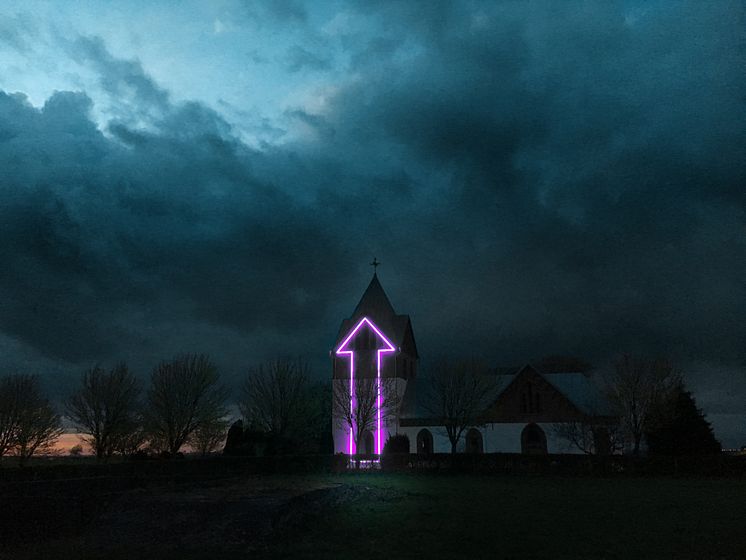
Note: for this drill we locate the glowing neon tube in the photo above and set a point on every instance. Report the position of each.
(343, 349)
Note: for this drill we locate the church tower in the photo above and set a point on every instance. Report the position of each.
(373, 344)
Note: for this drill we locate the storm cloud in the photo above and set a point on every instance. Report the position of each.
(536, 178)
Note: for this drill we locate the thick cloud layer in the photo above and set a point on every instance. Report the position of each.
(537, 179)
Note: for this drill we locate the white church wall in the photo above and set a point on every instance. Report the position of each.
(341, 440)
(496, 438)
(557, 444)
(441, 443)
(502, 438)
(506, 438)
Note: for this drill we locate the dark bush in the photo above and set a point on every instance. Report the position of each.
(398, 443)
(234, 438)
(680, 429)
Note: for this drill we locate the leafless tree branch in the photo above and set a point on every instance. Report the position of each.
(636, 387)
(457, 394)
(184, 395)
(106, 408)
(275, 397)
(360, 413)
(28, 422)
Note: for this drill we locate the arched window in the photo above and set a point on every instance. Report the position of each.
(533, 440)
(424, 442)
(474, 441)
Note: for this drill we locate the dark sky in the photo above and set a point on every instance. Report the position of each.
(537, 178)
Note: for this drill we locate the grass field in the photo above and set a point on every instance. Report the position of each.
(522, 517)
(374, 515)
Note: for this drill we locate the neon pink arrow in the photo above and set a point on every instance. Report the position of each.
(345, 349)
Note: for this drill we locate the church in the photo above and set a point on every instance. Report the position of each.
(376, 345)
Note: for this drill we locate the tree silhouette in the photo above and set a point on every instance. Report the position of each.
(636, 388)
(680, 428)
(106, 407)
(457, 395)
(184, 395)
(360, 413)
(28, 422)
(11, 398)
(276, 398)
(208, 437)
(593, 435)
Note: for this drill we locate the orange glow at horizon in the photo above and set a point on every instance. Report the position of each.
(69, 440)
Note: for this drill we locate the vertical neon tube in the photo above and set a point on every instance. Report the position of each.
(378, 399)
(352, 397)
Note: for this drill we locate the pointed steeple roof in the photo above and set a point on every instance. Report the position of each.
(374, 303)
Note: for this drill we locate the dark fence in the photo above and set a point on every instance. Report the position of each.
(568, 465)
(128, 474)
(169, 470)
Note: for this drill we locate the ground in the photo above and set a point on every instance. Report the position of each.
(374, 515)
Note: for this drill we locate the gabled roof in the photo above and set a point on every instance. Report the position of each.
(579, 388)
(582, 390)
(376, 305)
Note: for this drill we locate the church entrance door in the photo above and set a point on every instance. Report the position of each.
(474, 441)
(533, 440)
(424, 442)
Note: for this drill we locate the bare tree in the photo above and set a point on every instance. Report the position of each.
(209, 436)
(38, 429)
(133, 438)
(11, 399)
(320, 420)
(636, 387)
(458, 394)
(184, 395)
(359, 412)
(29, 422)
(275, 398)
(106, 408)
(591, 435)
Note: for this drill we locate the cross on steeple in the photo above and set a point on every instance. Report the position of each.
(375, 264)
